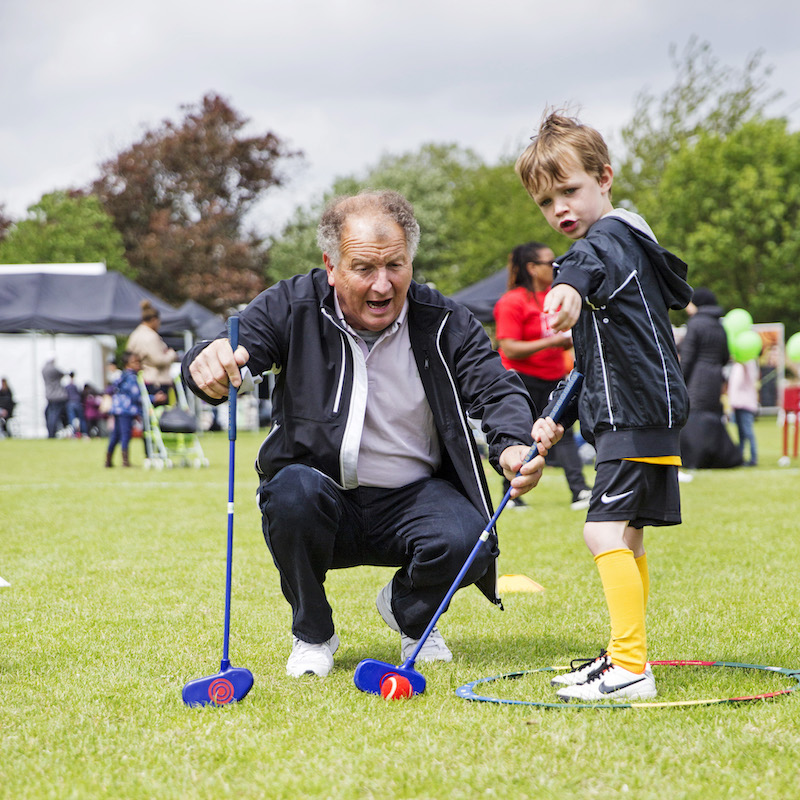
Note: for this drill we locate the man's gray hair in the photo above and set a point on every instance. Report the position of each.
(391, 204)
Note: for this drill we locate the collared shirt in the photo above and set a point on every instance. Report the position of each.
(399, 442)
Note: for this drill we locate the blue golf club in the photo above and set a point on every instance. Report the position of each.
(370, 672)
(230, 684)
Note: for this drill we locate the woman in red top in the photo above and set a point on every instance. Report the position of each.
(530, 348)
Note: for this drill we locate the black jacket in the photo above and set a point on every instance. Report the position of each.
(704, 353)
(634, 399)
(292, 329)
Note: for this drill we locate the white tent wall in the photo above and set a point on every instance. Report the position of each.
(22, 356)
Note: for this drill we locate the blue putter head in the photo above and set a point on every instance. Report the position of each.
(370, 673)
(227, 686)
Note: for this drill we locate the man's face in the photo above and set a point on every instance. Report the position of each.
(573, 205)
(374, 272)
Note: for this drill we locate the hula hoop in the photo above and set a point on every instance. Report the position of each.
(467, 691)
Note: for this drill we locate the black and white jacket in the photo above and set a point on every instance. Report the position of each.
(319, 396)
(634, 400)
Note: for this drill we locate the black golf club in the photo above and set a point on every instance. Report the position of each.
(230, 684)
(370, 672)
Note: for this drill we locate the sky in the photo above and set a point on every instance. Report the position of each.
(347, 81)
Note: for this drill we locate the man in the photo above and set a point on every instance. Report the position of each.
(370, 459)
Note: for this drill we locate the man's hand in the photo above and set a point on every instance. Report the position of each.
(546, 435)
(217, 366)
(563, 307)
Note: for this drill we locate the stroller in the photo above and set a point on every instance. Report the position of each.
(170, 432)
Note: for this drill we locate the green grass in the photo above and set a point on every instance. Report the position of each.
(116, 600)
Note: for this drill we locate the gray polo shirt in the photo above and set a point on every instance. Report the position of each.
(399, 443)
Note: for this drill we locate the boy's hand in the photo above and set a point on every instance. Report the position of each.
(563, 307)
(545, 435)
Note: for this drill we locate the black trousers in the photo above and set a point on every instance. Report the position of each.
(565, 453)
(311, 525)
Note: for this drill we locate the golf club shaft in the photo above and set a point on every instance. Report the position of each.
(571, 389)
(233, 336)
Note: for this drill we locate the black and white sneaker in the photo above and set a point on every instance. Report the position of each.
(612, 683)
(581, 670)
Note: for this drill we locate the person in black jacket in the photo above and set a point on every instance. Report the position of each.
(613, 288)
(705, 443)
(370, 458)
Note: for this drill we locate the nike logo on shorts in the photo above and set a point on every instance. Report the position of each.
(606, 689)
(611, 498)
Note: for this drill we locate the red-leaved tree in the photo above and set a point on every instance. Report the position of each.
(179, 198)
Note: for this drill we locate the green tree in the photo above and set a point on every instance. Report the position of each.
(706, 97)
(428, 178)
(180, 196)
(732, 202)
(64, 228)
(491, 213)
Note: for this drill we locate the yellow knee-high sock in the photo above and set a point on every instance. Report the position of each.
(622, 585)
(644, 574)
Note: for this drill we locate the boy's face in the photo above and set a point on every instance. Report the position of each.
(573, 205)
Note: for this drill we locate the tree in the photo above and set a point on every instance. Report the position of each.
(491, 213)
(180, 196)
(5, 222)
(732, 201)
(65, 228)
(705, 98)
(428, 178)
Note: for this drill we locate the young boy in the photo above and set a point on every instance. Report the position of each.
(615, 286)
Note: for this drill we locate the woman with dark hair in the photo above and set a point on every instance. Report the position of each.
(155, 355)
(536, 353)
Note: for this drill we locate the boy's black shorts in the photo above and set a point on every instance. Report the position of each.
(644, 494)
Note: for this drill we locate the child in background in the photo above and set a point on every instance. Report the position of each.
(126, 405)
(615, 286)
(743, 398)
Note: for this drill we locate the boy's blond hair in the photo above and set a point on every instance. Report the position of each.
(561, 142)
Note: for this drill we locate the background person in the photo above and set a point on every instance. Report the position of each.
(6, 406)
(75, 413)
(126, 405)
(705, 443)
(155, 355)
(529, 347)
(56, 395)
(370, 459)
(743, 397)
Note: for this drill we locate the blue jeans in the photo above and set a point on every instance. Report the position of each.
(121, 433)
(744, 424)
(311, 525)
(75, 412)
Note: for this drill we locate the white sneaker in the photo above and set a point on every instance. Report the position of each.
(582, 668)
(434, 648)
(612, 683)
(582, 500)
(685, 477)
(311, 659)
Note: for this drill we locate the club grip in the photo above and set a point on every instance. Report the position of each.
(571, 389)
(233, 337)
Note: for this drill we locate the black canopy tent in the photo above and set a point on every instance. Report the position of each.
(480, 298)
(83, 304)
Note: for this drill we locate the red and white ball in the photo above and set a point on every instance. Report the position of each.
(395, 687)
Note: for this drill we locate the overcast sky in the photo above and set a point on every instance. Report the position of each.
(346, 81)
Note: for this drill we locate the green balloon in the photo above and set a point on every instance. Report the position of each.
(747, 345)
(793, 348)
(736, 320)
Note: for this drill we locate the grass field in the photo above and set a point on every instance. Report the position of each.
(116, 600)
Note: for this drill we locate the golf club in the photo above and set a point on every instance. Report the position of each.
(370, 672)
(230, 684)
